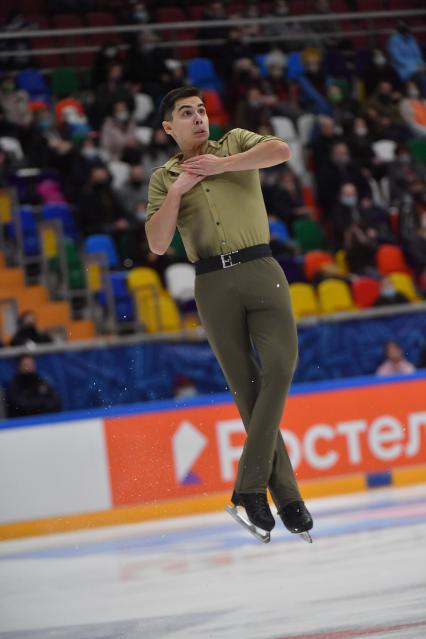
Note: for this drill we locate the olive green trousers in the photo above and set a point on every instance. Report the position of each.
(247, 315)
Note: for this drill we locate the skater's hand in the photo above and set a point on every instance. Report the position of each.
(204, 165)
(185, 182)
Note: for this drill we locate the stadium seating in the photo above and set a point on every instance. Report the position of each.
(335, 296)
(365, 291)
(390, 259)
(103, 244)
(304, 300)
(314, 261)
(404, 284)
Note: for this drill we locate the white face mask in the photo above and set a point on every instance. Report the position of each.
(361, 130)
(89, 152)
(348, 200)
(122, 116)
(413, 94)
(379, 60)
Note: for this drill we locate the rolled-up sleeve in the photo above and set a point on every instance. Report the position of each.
(248, 139)
(157, 192)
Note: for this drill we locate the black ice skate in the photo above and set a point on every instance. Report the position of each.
(259, 521)
(297, 519)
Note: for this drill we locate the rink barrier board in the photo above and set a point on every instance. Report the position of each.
(108, 448)
(192, 506)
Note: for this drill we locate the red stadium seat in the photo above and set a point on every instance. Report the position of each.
(390, 259)
(314, 260)
(365, 291)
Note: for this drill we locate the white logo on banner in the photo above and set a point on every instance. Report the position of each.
(188, 443)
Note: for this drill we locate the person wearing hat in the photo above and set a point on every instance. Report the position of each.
(211, 192)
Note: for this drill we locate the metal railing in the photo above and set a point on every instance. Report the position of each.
(287, 35)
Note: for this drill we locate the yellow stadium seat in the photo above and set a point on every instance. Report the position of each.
(404, 284)
(143, 276)
(94, 276)
(303, 300)
(49, 241)
(158, 312)
(341, 261)
(335, 296)
(6, 206)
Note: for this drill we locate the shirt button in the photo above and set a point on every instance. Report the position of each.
(218, 223)
(208, 190)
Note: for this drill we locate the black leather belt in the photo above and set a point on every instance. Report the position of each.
(218, 262)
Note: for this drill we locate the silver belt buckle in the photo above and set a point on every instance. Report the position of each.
(227, 259)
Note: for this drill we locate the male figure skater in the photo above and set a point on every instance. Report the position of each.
(211, 192)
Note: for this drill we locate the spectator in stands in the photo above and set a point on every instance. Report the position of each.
(330, 27)
(344, 108)
(413, 109)
(134, 193)
(119, 132)
(383, 112)
(403, 172)
(338, 170)
(45, 144)
(360, 143)
(254, 111)
(106, 55)
(14, 102)
(389, 295)
(146, 63)
(28, 393)
(183, 387)
(100, 210)
(405, 54)
(415, 244)
(214, 11)
(157, 152)
(110, 92)
(284, 198)
(28, 333)
(140, 14)
(326, 133)
(281, 9)
(395, 363)
(234, 49)
(377, 71)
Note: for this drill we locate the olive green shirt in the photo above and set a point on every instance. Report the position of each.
(222, 213)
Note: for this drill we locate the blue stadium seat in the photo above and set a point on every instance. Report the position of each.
(30, 238)
(102, 244)
(202, 74)
(63, 213)
(123, 300)
(33, 82)
(279, 230)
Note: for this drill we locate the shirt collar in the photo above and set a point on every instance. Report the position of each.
(173, 165)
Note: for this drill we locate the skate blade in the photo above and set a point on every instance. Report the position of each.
(262, 535)
(306, 536)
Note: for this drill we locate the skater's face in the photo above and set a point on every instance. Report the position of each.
(189, 123)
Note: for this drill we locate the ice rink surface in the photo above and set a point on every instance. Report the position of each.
(204, 576)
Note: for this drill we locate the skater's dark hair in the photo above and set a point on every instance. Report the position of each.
(168, 102)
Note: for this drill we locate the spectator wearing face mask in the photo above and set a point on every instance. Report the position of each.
(119, 132)
(134, 194)
(106, 55)
(389, 295)
(14, 102)
(335, 171)
(110, 92)
(405, 54)
(403, 172)
(413, 109)
(28, 393)
(28, 333)
(377, 71)
(395, 362)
